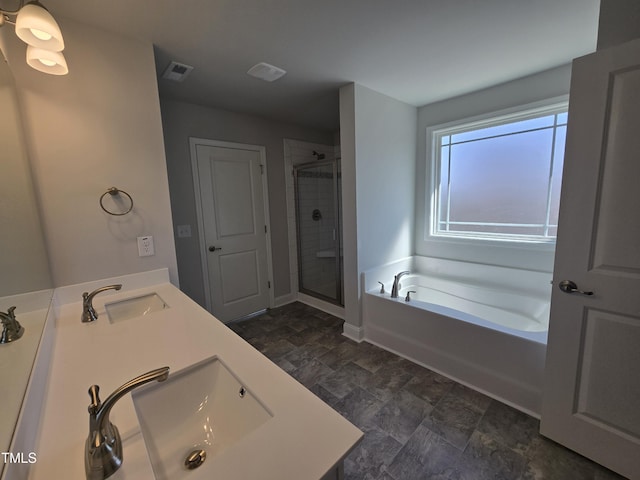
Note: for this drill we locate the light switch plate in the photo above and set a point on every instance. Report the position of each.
(184, 231)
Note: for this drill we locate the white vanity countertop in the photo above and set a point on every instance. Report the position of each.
(304, 439)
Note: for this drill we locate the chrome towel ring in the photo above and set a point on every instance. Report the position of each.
(113, 191)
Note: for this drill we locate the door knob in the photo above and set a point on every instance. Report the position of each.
(567, 286)
(213, 248)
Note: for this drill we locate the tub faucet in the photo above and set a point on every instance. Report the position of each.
(89, 314)
(396, 283)
(11, 329)
(103, 449)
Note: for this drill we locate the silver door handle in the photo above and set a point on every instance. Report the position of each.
(567, 286)
(213, 248)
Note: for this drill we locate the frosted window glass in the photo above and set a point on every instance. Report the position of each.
(513, 127)
(501, 179)
(556, 179)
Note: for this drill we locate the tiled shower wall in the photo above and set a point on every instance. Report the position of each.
(317, 244)
(296, 153)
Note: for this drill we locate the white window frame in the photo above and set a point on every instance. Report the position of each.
(433, 136)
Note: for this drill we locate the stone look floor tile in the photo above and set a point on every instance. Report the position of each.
(311, 373)
(454, 420)
(359, 407)
(509, 426)
(429, 386)
(386, 381)
(375, 452)
(402, 414)
(343, 353)
(344, 379)
(475, 399)
(484, 458)
(549, 461)
(425, 455)
(462, 435)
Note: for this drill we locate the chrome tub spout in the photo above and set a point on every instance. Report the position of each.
(396, 283)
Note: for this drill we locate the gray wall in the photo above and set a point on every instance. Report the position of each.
(534, 88)
(619, 22)
(23, 257)
(97, 127)
(378, 146)
(183, 120)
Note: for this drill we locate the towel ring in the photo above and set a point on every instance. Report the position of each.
(113, 191)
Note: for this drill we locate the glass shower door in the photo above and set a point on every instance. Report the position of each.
(318, 227)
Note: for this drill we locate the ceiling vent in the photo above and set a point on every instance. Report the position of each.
(266, 72)
(177, 71)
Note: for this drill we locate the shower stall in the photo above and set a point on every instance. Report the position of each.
(319, 229)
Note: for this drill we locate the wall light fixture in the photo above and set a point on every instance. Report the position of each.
(38, 29)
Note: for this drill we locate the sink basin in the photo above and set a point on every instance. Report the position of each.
(134, 307)
(204, 407)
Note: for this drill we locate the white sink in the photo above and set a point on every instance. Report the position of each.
(134, 307)
(203, 407)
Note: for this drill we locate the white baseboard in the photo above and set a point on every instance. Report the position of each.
(352, 332)
(284, 300)
(335, 310)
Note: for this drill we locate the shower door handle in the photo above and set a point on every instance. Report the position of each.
(567, 286)
(213, 248)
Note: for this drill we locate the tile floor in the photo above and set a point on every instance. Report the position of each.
(417, 424)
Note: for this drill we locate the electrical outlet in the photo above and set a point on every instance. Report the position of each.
(145, 246)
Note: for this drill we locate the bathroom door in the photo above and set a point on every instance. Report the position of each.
(228, 180)
(591, 400)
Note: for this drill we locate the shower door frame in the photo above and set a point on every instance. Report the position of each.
(339, 300)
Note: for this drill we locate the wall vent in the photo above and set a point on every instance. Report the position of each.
(266, 72)
(177, 71)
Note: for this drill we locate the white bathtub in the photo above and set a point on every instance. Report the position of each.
(483, 326)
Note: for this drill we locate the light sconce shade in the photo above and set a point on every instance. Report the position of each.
(46, 61)
(35, 26)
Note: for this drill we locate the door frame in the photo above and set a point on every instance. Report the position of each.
(193, 143)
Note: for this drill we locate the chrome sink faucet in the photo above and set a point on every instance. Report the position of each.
(11, 329)
(89, 314)
(103, 449)
(396, 283)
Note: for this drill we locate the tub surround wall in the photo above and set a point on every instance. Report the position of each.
(378, 145)
(184, 120)
(97, 127)
(503, 363)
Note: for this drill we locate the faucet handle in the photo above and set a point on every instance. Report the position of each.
(381, 287)
(95, 399)
(408, 297)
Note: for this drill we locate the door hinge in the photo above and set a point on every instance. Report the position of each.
(261, 169)
(265, 229)
(268, 283)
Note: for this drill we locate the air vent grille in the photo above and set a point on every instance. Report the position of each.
(266, 72)
(177, 72)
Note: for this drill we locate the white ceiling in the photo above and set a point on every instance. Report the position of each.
(417, 51)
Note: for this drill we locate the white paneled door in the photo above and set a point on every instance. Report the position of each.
(591, 401)
(233, 226)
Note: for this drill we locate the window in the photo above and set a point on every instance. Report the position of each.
(499, 178)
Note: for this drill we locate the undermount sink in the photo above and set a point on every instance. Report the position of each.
(203, 408)
(134, 307)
